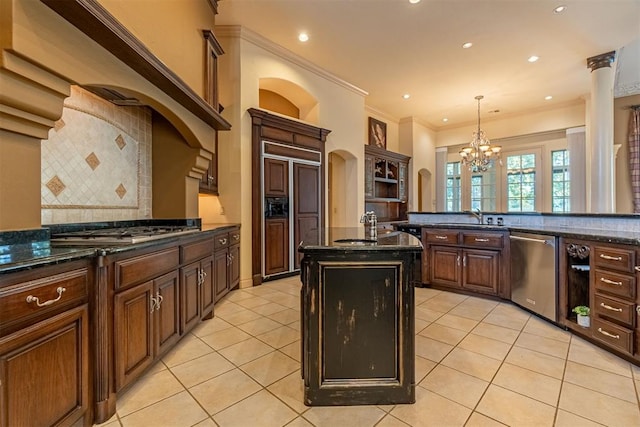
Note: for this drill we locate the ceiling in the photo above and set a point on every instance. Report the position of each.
(391, 47)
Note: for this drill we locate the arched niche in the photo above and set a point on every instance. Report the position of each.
(284, 96)
(343, 208)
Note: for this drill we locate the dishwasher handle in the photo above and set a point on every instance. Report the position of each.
(531, 239)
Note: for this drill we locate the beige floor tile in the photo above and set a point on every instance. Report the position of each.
(423, 367)
(259, 326)
(189, 348)
(431, 349)
(470, 312)
(455, 385)
(545, 329)
(285, 316)
(238, 296)
(479, 420)
(471, 363)
(363, 416)
(239, 317)
(226, 306)
(269, 308)
(292, 350)
(178, 410)
(443, 333)
(208, 422)
(505, 320)
(515, 409)
(201, 369)
(457, 322)
(259, 410)
(585, 353)
(246, 351)
(391, 421)
(598, 407)
(439, 304)
(567, 419)
(270, 368)
(441, 411)
(210, 326)
(478, 302)
(543, 345)
(537, 362)
(601, 381)
(290, 390)
(280, 336)
(225, 338)
(157, 367)
(420, 324)
(224, 390)
(150, 389)
(486, 346)
(300, 422)
(529, 383)
(291, 301)
(252, 302)
(295, 325)
(505, 335)
(425, 313)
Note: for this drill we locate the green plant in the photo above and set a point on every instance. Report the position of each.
(582, 310)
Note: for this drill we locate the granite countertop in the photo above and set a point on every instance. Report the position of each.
(359, 239)
(607, 236)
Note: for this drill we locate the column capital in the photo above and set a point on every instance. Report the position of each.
(601, 61)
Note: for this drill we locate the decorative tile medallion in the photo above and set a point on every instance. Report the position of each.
(92, 160)
(56, 186)
(59, 124)
(121, 191)
(120, 142)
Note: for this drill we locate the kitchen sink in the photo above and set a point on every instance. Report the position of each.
(355, 241)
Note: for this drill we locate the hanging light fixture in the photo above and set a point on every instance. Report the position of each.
(479, 155)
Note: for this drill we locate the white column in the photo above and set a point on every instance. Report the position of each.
(602, 173)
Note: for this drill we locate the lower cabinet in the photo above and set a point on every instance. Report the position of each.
(44, 346)
(454, 259)
(197, 292)
(226, 258)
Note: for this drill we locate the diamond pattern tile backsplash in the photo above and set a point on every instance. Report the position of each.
(96, 164)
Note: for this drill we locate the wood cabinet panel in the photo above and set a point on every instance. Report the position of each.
(45, 372)
(613, 283)
(484, 240)
(190, 296)
(444, 266)
(613, 309)
(615, 336)
(276, 250)
(220, 261)
(207, 288)
(481, 270)
(276, 178)
(167, 319)
(138, 269)
(621, 259)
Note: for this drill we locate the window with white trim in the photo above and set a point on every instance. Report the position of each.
(560, 184)
(452, 189)
(521, 182)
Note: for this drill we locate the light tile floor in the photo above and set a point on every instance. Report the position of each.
(478, 363)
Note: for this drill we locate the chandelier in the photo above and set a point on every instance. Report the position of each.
(479, 155)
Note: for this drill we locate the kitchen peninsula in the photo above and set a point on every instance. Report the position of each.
(357, 307)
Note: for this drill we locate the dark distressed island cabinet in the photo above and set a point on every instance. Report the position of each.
(358, 318)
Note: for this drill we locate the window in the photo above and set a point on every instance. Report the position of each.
(560, 188)
(483, 190)
(521, 183)
(453, 187)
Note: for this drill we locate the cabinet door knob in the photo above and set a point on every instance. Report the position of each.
(223, 241)
(154, 303)
(60, 290)
(159, 299)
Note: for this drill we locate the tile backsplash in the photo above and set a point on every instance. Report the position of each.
(96, 164)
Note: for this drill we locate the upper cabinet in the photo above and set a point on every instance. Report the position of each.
(385, 183)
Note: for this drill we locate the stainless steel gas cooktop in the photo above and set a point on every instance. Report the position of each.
(120, 236)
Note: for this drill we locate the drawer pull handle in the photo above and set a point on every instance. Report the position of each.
(610, 282)
(31, 298)
(608, 334)
(611, 258)
(223, 241)
(481, 240)
(637, 267)
(608, 307)
(441, 237)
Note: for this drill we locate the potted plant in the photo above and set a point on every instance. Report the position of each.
(583, 315)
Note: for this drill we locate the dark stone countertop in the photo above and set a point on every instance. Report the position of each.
(358, 239)
(623, 237)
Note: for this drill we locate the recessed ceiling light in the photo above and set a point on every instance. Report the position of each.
(467, 45)
(560, 9)
(406, 96)
(414, 1)
(303, 37)
(533, 58)
(445, 120)
(548, 97)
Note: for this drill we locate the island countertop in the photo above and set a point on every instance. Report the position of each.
(358, 239)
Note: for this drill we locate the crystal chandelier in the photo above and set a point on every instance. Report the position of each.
(480, 154)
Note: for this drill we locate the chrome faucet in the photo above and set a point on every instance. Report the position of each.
(371, 219)
(478, 214)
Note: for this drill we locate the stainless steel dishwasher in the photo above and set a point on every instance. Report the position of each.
(534, 274)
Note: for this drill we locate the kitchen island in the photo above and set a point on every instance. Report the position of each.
(357, 305)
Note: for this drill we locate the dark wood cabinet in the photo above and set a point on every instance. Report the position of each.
(226, 260)
(465, 260)
(190, 282)
(276, 178)
(386, 183)
(208, 184)
(44, 346)
(276, 251)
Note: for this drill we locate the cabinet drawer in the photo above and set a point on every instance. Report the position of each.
(616, 284)
(234, 237)
(46, 295)
(615, 336)
(138, 269)
(195, 251)
(615, 258)
(442, 237)
(221, 241)
(485, 240)
(613, 309)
